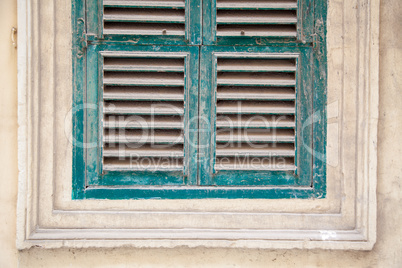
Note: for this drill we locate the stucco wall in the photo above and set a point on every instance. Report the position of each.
(387, 252)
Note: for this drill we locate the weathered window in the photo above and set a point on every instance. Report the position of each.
(48, 216)
(178, 99)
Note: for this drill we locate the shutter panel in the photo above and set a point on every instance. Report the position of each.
(144, 17)
(255, 108)
(143, 111)
(141, 132)
(257, 22)
(261, 90)
(152, 21)
(145, 91)
(256, 18)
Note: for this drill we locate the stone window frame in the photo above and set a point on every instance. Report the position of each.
(48, 217)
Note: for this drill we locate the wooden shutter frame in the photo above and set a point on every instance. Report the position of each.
(304, 176)
(91, 174)
(83, 40)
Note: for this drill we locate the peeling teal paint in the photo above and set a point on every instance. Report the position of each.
(207, 110)
(94, 174)
(199, 180)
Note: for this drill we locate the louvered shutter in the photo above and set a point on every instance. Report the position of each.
(145, 21)
(257, 22)
(144, 126)
(254, 94)
(257, 100)
(257, 88)
(143, 17)
(182, 98)
(143, 97)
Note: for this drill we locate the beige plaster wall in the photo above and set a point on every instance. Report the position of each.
(8, 134)
(387, 252)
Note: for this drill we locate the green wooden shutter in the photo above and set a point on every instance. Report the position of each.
(257, 87)
(143, 125)
(194, 92)
(257, 22)
(257, 99)
(145, 22)
(137, 93)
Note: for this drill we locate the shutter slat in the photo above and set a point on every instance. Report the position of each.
(143, 93)
(145, 31)
(252, 107)
(143, 78)
(252, 121)
(141, 69)
(143, 110)
(256, 78)
(255, 135)
(250, 82)
(154, 19)
(134, 28)
(260, 164)
(256, 65)
(275, 150)
(256, 30)
(148, 69)
(256, 17)
(143, 64)
(255, 93)
(143, 122)
(140, 136)
(177, 4)
(257, 4)
(143, 151)
(245, 21)
(151, 164)
(143, 82)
